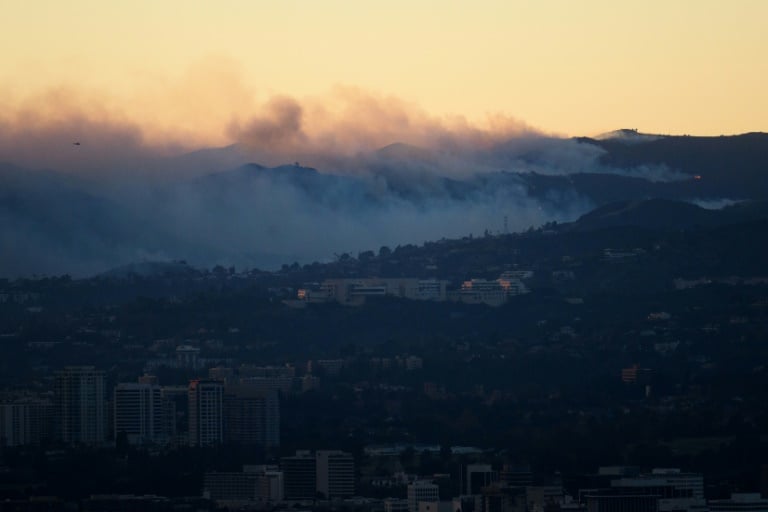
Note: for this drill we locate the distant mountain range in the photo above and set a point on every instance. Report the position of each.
(257, 216)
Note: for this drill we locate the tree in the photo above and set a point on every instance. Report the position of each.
(407, 457)
(121, 443)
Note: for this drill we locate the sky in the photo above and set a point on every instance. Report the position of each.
(197, 72)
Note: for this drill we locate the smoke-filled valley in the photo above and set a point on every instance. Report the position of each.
(218, 207)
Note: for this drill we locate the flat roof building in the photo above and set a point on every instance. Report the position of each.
(335, 474)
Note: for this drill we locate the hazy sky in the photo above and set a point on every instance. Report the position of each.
(562, 66)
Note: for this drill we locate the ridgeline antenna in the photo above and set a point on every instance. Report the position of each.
(506, 225)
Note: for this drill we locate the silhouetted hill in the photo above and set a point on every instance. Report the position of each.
(628, 136)
(654, 214)
(731, 166)
(150, 269)
(664, 214)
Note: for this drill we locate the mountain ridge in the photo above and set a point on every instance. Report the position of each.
(251, 213)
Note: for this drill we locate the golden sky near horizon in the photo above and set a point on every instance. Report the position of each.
(563, 66)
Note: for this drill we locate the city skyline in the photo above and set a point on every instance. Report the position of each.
(499, 256)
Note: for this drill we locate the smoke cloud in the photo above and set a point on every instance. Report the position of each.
(162, 175)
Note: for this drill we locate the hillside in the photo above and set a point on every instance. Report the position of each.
(732, 166)
(251, 215)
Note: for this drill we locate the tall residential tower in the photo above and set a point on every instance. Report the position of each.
(80, 408)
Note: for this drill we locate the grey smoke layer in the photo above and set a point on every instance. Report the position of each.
(112, 199)
(253, 216)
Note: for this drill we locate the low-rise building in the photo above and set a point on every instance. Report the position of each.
(740, 502)
(422, 490)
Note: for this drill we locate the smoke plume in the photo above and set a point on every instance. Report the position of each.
(162, 175)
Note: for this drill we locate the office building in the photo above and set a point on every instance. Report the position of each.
(300, 476)
(356, 291)
(677, 491)
(251, 416)
(262, 484)
(80, 408)
(335, 474)
(25, 421)
(421, 490)
(139, 413)
(230, 486)
(270, 484)
(206, 412)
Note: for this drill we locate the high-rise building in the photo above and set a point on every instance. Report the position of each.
(206, 412)
(421, 490)
(80, 405)
(139, 412)
(335, 474)
(24, 420)
(300, 476)
(251, 416)
(176, 404)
